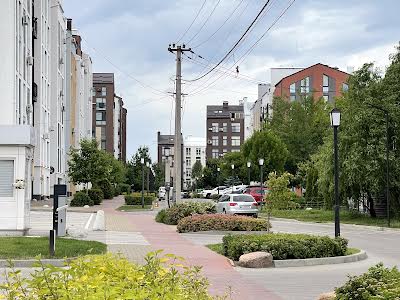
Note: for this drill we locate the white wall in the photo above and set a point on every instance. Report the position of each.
(117, 116)
(192, 143)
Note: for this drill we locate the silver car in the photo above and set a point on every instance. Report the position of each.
(237, 204)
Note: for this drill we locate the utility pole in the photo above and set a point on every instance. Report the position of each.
(178, 109)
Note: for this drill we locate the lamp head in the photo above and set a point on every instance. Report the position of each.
(261, 161)
(248, 164)
(335, 117)
(142, 160)
(233, 166)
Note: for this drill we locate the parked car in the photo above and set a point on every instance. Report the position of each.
(238, 204)
(161, 193)
(185, 195)
(257, 193)
(214, 191)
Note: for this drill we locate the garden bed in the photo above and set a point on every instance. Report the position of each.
(171, 216)
(134, 207)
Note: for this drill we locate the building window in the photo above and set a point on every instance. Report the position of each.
(225, 127)
(100, 103)
(326, 97)
(236, 141)
(198, 159)
(215, 153)
(235, 127)
(188, 151)
(188, 162)
(345, 87)
(305, 85)
(235, 150)
(198, 151)
(104, 91)
(215, 140)
(6, 178)
(188, 173)
(214, 127)
(236, 115)
(325, 84)
(293, 92)
(103, 145)
(224, 141)
(224, 151)
(101, 118)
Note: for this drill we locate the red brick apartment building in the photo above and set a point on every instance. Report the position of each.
(319, 79)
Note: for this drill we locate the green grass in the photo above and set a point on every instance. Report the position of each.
(324, 216)
(218, 248)
(30, 247)
(133, 207)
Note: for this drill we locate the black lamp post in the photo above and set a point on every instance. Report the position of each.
(233, 168)
(142, 162)
(335, 123)
(261, 163)
(218, 172)
(248, 170)
(148, 177)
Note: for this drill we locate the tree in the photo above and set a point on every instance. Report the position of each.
(210, 176)
(279, 195)
(134, 166)
(159, 179)
(197, 170)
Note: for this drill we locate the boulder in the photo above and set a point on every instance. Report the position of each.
(77, 232)
(256, 260)
(327, 296)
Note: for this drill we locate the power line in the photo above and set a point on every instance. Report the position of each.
(194, 20)
(222, 25)
(236, 44)
(205, 22)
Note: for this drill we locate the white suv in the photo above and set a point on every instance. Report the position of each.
(161, 193)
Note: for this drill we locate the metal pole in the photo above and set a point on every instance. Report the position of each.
(148, 180)
(262, 183)
(387, 168)
(232, 179)
(337, 204)
(178, 104)
(142, 185)
(249, 174)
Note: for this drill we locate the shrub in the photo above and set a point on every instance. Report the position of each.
(185, 209)
(378, 283)
(107, 188)
(125, 188)
(96, 195)
(221, 222)
(117, 191)
(137, 200)
(160, 217)
(284, 246)
(81, 199)
(110, 277)
(196, 195)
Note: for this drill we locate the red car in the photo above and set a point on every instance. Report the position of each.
(257, 193)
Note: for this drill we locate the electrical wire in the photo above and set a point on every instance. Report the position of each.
(194, 20)
(205, 22)
(236, 44)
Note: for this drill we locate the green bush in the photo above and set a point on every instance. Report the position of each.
(96, 195)
(137, 200)
(81, 199)
(125, 188)
(117, 191)
(196, 195)
(161, 215)
(110, 277)
(222, 223)
(284, 246)
(185, 209)
(107, 188)
(378, 283)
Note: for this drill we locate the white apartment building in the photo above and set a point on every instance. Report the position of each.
(248, 118)
(58, 91)
(42, 83)
(194, 150)
(17, 137)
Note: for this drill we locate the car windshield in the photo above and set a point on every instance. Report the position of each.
(243, 198)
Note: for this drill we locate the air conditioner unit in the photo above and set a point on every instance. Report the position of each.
(25, 20)
(210, 129)
(29, 60)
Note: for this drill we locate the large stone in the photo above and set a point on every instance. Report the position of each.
(77, 232)
(99, 221)
(256, 260)
(327, 296)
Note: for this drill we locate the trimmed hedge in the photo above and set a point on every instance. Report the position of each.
(284, 246)
(81, 199)
(96, 195)
(222, 223)
(378, 283)
(171, 216)
(137, 200)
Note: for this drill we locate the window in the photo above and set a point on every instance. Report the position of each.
(101, 118)
(94, 93)
(224, 141)
(224, 151)
(214, 127)
(305, 85)
(235, 150)
(236, 115)
(198, 159)
(104, 91)
(215, 153)
(188, 151)
(188, 162)
(345, 87)
(293, 88)
(325, 84)
(103, 145)
(235, 127)
(6, 178)
(215, 140)
(236, 141)
(100, 103)
(326, 97)
(188, 173)
(225, 127)
(198, 151)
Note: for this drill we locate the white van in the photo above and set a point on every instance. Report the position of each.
(161, 193)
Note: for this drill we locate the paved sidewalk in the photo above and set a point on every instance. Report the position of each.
(222, 276)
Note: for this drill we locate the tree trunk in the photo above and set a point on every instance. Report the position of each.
(371, 206)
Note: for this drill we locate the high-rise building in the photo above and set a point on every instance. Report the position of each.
(194, 151)
(225, 129)
(17, 135)
(109, 123)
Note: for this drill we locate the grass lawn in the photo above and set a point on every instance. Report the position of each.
(29, 247)
(218, 248)
(133, 207)
(324, 216)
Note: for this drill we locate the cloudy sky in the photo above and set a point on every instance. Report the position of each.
(131, 37)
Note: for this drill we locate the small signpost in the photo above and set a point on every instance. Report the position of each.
(59, 215)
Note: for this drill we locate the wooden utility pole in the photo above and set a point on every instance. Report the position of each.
(178, 127)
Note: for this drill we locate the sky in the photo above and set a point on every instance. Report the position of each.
(130, 38)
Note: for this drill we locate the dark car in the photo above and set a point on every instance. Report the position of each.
(257, 192)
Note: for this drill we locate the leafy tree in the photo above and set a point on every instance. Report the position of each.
(210, 177)
(279, 195)
(134, 166)
(159, 179)
(197, 170)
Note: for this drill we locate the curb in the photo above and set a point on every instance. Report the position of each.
(289, 263)
(32, 263)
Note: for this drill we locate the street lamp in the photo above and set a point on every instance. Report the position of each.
(167, 173)
(261, 163)
(148, 176)
(335, 123)
(248, 169)
(142, 162)
(218, 170)
(233, 168)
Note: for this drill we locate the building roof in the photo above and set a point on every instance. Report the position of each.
(103, 77)
(336, 69)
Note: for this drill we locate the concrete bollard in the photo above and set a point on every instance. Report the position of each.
(99, 221)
